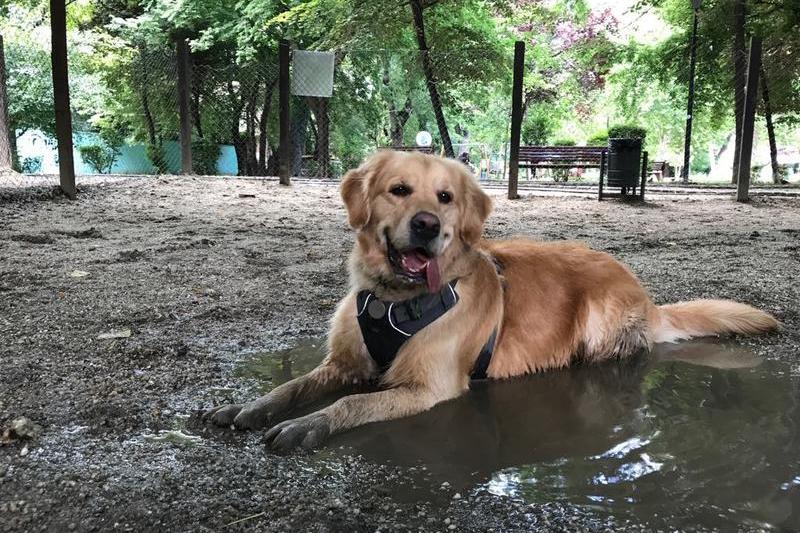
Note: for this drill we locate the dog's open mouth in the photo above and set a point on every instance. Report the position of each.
(415, 265)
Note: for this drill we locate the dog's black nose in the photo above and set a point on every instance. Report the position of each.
(425, 226)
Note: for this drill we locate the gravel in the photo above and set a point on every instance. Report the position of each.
(124, 312)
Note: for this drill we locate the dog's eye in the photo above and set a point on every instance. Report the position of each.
(444, 197)
(400, 190)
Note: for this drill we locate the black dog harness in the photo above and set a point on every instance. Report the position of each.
(386, 326)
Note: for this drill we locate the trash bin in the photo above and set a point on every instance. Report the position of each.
(624, 162)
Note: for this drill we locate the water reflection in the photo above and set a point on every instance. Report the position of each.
(713, 442)
(696, 434)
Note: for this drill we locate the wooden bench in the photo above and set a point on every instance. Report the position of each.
(659, 170)
(534, 157)
(575, 157)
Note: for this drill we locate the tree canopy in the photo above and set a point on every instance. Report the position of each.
(586, 69)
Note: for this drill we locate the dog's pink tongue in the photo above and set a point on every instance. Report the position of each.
(432, 277)
(416, 262)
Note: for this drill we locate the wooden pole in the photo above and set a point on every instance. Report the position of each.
(284, 149)
(58, 57)
(184, 102)
(516, 119)
(748, 120)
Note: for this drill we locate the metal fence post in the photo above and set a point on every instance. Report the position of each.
(284, 149)
(516, 119)
(184, 99)
(748, 120)
(58, 29)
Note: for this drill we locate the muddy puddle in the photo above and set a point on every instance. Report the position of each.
(695, 434)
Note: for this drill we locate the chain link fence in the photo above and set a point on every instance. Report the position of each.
(380, 99)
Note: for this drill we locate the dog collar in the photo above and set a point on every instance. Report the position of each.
(386, 326)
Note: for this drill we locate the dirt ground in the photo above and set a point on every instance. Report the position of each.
(192, 274)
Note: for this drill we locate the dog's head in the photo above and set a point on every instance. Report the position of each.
(415, 215)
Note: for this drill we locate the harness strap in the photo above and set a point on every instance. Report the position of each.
(386, 326)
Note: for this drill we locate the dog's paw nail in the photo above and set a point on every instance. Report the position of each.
(222, 416)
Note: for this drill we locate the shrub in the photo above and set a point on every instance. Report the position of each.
(31, 165)
(598, 139)
(536, 129)
(627, 131)
(156, 156)
(99, 158)
(564, 142)
(205, 154)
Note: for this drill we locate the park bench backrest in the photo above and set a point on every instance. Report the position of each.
(538, 155)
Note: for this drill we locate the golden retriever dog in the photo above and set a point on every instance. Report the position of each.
(426, 289)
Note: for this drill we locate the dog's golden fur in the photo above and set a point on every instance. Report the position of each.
(551, 304)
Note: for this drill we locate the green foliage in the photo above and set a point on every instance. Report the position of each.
(700, 163)
(205, 154)
(538, 127)
(31, 165)
(156, 156)
(100, 158)
(598, 139)
(564, 142)
(112, 129)
(627, 131)
(29, 86)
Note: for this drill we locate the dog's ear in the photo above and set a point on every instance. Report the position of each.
(477, 207)
(355, 188)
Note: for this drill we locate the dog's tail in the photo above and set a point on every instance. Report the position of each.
(700, 318)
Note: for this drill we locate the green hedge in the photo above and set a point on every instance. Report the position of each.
(598, 139)
(627, 131)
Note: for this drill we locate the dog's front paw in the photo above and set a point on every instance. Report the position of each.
(309, 431)
(253, 415)
(222, 416)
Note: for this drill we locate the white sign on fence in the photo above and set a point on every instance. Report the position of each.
(312, 73)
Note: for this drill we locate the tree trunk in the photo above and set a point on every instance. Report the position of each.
(397, 122)
(298, 135)
(322, 149)
(739, 75)
(252, 161)
(6, 154)
(263, 141)
(773, 146)
(430, 79)
(145, 98)
(197, 82)
(237, 104)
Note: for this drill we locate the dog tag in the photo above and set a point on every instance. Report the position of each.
(376, 309)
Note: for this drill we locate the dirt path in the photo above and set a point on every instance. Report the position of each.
(192, 274)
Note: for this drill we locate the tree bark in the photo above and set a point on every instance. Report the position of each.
(322, 150)
(145, 98)
(263, 141)
(6, 153)
(397, 122)
(298, 135)
(197, 82)
(773, 146)
(237, 104)
(739, 75)
(430, 78)
(252, 161)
